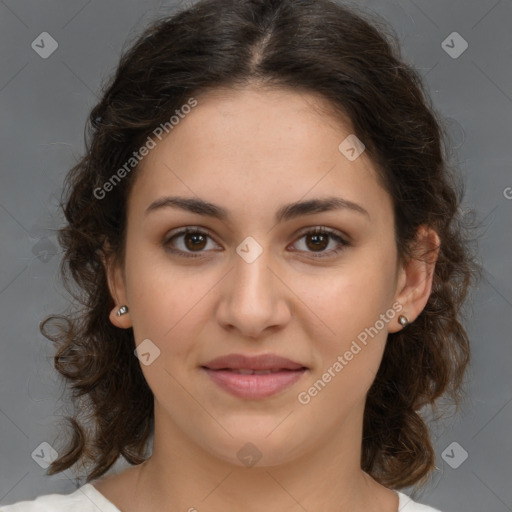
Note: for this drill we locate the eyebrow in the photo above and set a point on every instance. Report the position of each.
(286, 212)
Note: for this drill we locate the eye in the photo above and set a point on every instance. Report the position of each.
(194, 240)
(318, 239)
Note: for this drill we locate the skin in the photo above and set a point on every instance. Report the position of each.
(251, 151)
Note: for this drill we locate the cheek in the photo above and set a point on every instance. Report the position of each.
(346, 325)
(167, 304)
(349, 341)
(343, 304)
(166, 308)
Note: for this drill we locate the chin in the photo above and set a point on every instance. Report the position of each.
(254, 447)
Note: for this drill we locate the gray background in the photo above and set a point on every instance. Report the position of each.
(44, 104)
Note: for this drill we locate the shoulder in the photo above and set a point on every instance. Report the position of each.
(84, 499)
(406, 504)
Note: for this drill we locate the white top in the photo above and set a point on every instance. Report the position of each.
(88, 499)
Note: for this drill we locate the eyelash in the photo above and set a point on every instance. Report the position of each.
(317, 230)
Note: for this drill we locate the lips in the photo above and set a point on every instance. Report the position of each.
(261, 362)
(254, 372)
(254, 377)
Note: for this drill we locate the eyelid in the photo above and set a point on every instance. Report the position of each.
(323, 229)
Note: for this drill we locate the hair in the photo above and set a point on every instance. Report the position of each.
(313, 46)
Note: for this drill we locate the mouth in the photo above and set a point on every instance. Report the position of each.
(255, 377)
(248, 371)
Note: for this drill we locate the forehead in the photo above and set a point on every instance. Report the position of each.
(257, 144)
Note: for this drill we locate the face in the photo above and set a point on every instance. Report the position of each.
(316, 286)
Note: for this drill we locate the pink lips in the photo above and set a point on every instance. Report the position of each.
(254, 377)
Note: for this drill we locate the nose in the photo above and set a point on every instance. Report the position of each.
(254, 297)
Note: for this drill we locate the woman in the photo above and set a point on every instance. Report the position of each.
(266, 237)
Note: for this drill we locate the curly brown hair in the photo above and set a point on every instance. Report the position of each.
(316, 46)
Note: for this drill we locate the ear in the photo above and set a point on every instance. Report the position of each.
(117, 287)
(414, 281)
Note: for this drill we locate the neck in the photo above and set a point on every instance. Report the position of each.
(181, 475)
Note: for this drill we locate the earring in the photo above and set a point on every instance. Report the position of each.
(403, 320)
(122, 310)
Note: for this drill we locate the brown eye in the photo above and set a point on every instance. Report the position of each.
(318, 239)
(188, 241)
(195, 241)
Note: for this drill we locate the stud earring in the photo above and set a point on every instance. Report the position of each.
(403, 320)
(122, 310)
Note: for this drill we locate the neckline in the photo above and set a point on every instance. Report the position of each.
(99, 499)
